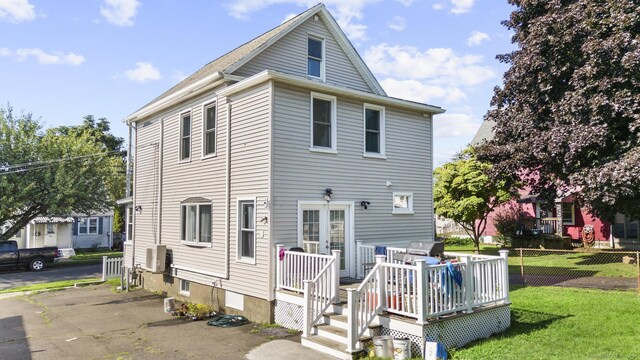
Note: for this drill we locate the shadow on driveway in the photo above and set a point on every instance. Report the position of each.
(13, 339)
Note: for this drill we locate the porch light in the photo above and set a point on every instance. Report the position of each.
(327, 194)
(364, 204)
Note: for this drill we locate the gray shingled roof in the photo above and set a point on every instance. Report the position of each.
(227, 60)
(485, 133)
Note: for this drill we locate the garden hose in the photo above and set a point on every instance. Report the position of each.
(228, 320)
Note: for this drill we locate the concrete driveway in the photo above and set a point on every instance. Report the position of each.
(97, 323)
(12, 278)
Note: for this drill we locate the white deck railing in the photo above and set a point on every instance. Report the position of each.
(366, 257)
(321, 292)
(111, 267)
(294, 267)
(426, 291)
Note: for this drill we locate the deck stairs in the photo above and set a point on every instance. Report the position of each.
(330, 337)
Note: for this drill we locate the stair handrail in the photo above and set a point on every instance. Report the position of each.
(320, 292)
(365, 303)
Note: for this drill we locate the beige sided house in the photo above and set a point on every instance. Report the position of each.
(288, 141)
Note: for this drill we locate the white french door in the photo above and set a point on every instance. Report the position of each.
(324, 227)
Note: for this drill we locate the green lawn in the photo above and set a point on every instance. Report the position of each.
(47, 286)
(89, 257)
(574, 264)
(564, 323)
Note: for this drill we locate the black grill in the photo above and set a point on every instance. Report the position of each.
(421, 250)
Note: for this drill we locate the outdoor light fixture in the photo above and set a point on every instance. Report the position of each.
(327, 194)
(364, 204)
(138, 209)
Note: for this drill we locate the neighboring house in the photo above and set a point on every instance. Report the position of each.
(287, 140)
(71, 232)
(564, 217)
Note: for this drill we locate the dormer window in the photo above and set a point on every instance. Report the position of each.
(315, 59)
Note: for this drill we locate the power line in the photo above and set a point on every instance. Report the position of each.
(47, 164)
(9, 167)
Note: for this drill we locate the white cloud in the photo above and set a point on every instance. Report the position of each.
(17, 10)
(439, 6)
(477, 37)
(120, 12)
(452, 125)
(397, 24)
(143, 72)
(461, 6)
(44, 58)
(421, 92)
(441, 66)
(347, 12)
(405, 2)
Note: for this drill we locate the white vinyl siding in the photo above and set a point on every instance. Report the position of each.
(299, 174)
(289, 55)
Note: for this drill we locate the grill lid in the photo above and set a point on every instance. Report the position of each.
(426, 248)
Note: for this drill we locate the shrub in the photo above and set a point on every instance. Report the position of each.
(507, 220)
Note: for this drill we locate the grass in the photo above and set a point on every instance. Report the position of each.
(48, 286)
(87, 257)
(564, 323)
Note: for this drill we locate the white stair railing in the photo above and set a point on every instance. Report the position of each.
(321, 292)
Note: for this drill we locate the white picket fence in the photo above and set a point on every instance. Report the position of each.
(111, 267)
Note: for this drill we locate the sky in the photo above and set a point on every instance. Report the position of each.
(62, 60)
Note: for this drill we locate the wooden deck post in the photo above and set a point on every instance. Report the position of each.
(352, 312)
(504, 254)
(421, 291)
(279, 265)
(382, 284)
(307, 310)
(468, 280)
(359, 270)
(335, 276)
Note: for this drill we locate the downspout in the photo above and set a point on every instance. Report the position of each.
(228, 194)
(160, 149)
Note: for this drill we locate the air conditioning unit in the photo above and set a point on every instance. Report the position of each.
(156, 256)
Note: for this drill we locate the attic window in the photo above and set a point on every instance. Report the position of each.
(315, 58)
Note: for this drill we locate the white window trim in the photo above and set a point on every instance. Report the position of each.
(88, 232)
(408, 211)
(573, 214)
(185, 292)
(381, 109)
(239, 257)
(205, 106)
(181, 117)
(334, 131)
(322, 61)
(196, 243)
(129, 224)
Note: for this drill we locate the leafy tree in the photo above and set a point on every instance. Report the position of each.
(568, 115)
(47, 172)
(466, 193)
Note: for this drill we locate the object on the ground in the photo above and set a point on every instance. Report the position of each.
(588, 235)
(169, 305)
(228, 320)
(628, 260)
(435, 351)
(401, 349)
(383, 346)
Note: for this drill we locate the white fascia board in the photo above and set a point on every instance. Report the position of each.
(196, 88)
(267, 75)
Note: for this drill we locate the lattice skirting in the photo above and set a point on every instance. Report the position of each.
(288, 315)
(459, 331)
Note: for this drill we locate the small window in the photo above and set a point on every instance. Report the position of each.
(323, 118)
(195, 223)
(86, 226)
(129, 223)
(50, 229)
(185, 136)
(403, 203)
(209, 130)
(247, 228)
(373, 130)
(568, 214)
(184, 287)
(315, 56)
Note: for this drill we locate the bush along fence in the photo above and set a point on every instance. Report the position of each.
(600, 269)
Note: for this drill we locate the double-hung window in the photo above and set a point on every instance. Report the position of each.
(195, 223)
(246, 229)
(185, 136)
(323, 122)
(88, 226)
(373, 130)
(129, 234)
(315, 58)
(209, 141)
(568, 214)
